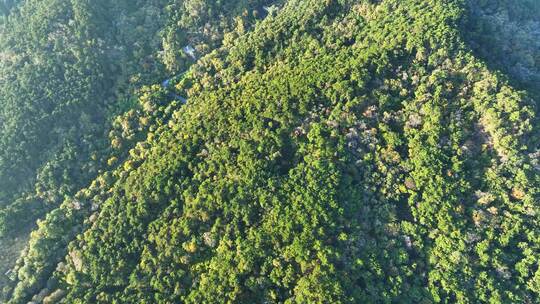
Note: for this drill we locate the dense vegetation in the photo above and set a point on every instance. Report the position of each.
(331, 151)
(88, 60)
(70, 74)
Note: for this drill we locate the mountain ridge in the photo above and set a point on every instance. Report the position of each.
(341, 153)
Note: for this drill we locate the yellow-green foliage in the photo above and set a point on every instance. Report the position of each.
(337, 152)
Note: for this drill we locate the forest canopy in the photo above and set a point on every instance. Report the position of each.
(294, 151)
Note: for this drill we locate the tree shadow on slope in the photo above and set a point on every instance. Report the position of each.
(506, 36)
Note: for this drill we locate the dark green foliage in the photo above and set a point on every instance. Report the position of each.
(89, 60)
(70, 76)
(507, 35)
(336, 152)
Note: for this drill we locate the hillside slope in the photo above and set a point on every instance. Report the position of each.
(70, 76)
(339, 152)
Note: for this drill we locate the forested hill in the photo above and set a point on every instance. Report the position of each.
(71, 73)
(69, 67)
(330, 151)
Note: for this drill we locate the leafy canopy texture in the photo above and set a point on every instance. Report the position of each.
(330, 151)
